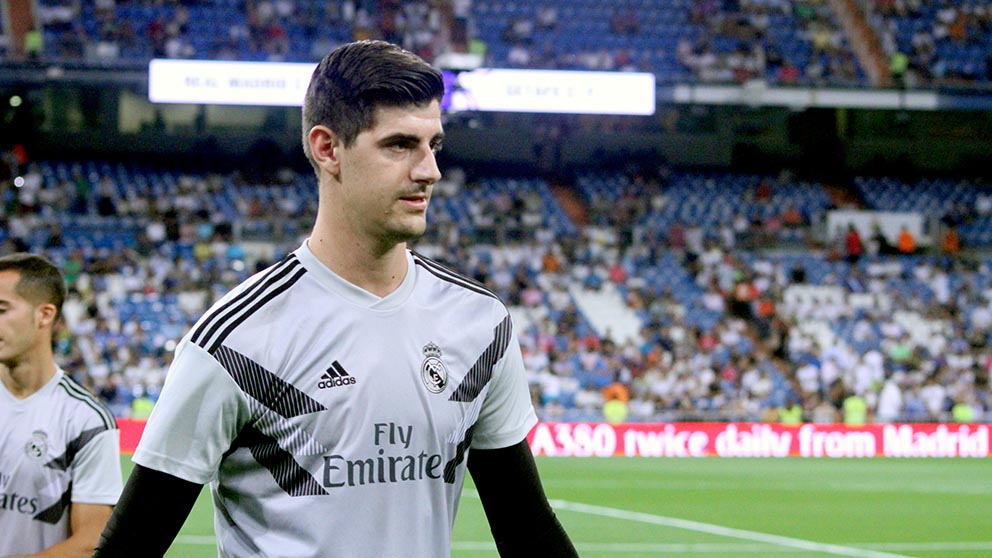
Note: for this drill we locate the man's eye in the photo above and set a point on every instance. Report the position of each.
(437, 147)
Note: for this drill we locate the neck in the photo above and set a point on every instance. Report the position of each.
(24, 377)
(377, 269)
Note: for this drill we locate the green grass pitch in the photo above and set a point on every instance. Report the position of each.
(737, 508)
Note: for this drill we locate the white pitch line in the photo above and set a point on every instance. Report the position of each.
(700, 527)
(935, 546)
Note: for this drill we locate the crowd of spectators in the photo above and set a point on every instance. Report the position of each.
(934, 42)
(112, 31)
(786, 42)
(723, 339)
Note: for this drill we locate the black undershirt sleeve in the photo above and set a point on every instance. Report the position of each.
(520, 517)
(151, 510)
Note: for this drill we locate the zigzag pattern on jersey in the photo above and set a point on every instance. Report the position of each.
(271, 437)
(264, 386)
(213, 329)
(446, 274)
(52, 514)
(451, 466)
(64, 461)
(288, 474)
(482, 371)
(291, 437)
(469, 390)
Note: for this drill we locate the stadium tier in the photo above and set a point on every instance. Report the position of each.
(942, 42)
(799, 42)
(733, 309)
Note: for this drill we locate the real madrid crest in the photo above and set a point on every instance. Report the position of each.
(433, 371)
(37, 446)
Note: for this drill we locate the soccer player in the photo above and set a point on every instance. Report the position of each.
(60, 469)
(334, 401)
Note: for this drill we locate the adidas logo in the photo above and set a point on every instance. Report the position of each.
(335, 376)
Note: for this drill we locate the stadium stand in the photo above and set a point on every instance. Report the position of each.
(948, 42)
(734, 319)
(961, 203)
(726, 296)
(799, 42)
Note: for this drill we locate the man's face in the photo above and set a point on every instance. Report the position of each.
(388, 173)
(19, 327)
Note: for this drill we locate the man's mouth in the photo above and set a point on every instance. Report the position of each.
(416, 200)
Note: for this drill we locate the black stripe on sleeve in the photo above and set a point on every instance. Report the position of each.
(219, 339)
(446, 274)
(77, 392)
(208, 327)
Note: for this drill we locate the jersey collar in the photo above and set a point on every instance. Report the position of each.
(352, 292)
(42, 392)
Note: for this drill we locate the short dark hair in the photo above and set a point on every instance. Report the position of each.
(40, 282)
(355, 79)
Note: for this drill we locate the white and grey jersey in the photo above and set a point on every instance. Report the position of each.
(58, 446)
(331, 422)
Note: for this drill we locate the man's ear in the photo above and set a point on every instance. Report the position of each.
(325, 146)
(45, 315)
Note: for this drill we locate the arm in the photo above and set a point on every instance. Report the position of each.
(152, 509)
(178, 452)
(520, 517)
(85, 523)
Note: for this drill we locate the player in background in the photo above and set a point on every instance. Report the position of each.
(60, 470)
(334, 401)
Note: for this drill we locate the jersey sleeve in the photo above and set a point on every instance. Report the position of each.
(507, 414)
(96, 477)
(195, 420)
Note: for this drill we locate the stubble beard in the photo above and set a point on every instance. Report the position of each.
(404, 231)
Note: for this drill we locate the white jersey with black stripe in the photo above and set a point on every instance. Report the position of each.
(334, 423)
(58, 446)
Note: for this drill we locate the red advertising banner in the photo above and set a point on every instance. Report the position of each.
(131, 430)
(702, 439)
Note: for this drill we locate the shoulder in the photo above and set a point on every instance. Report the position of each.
(245, 302)
(447, 278)
(85, 410)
